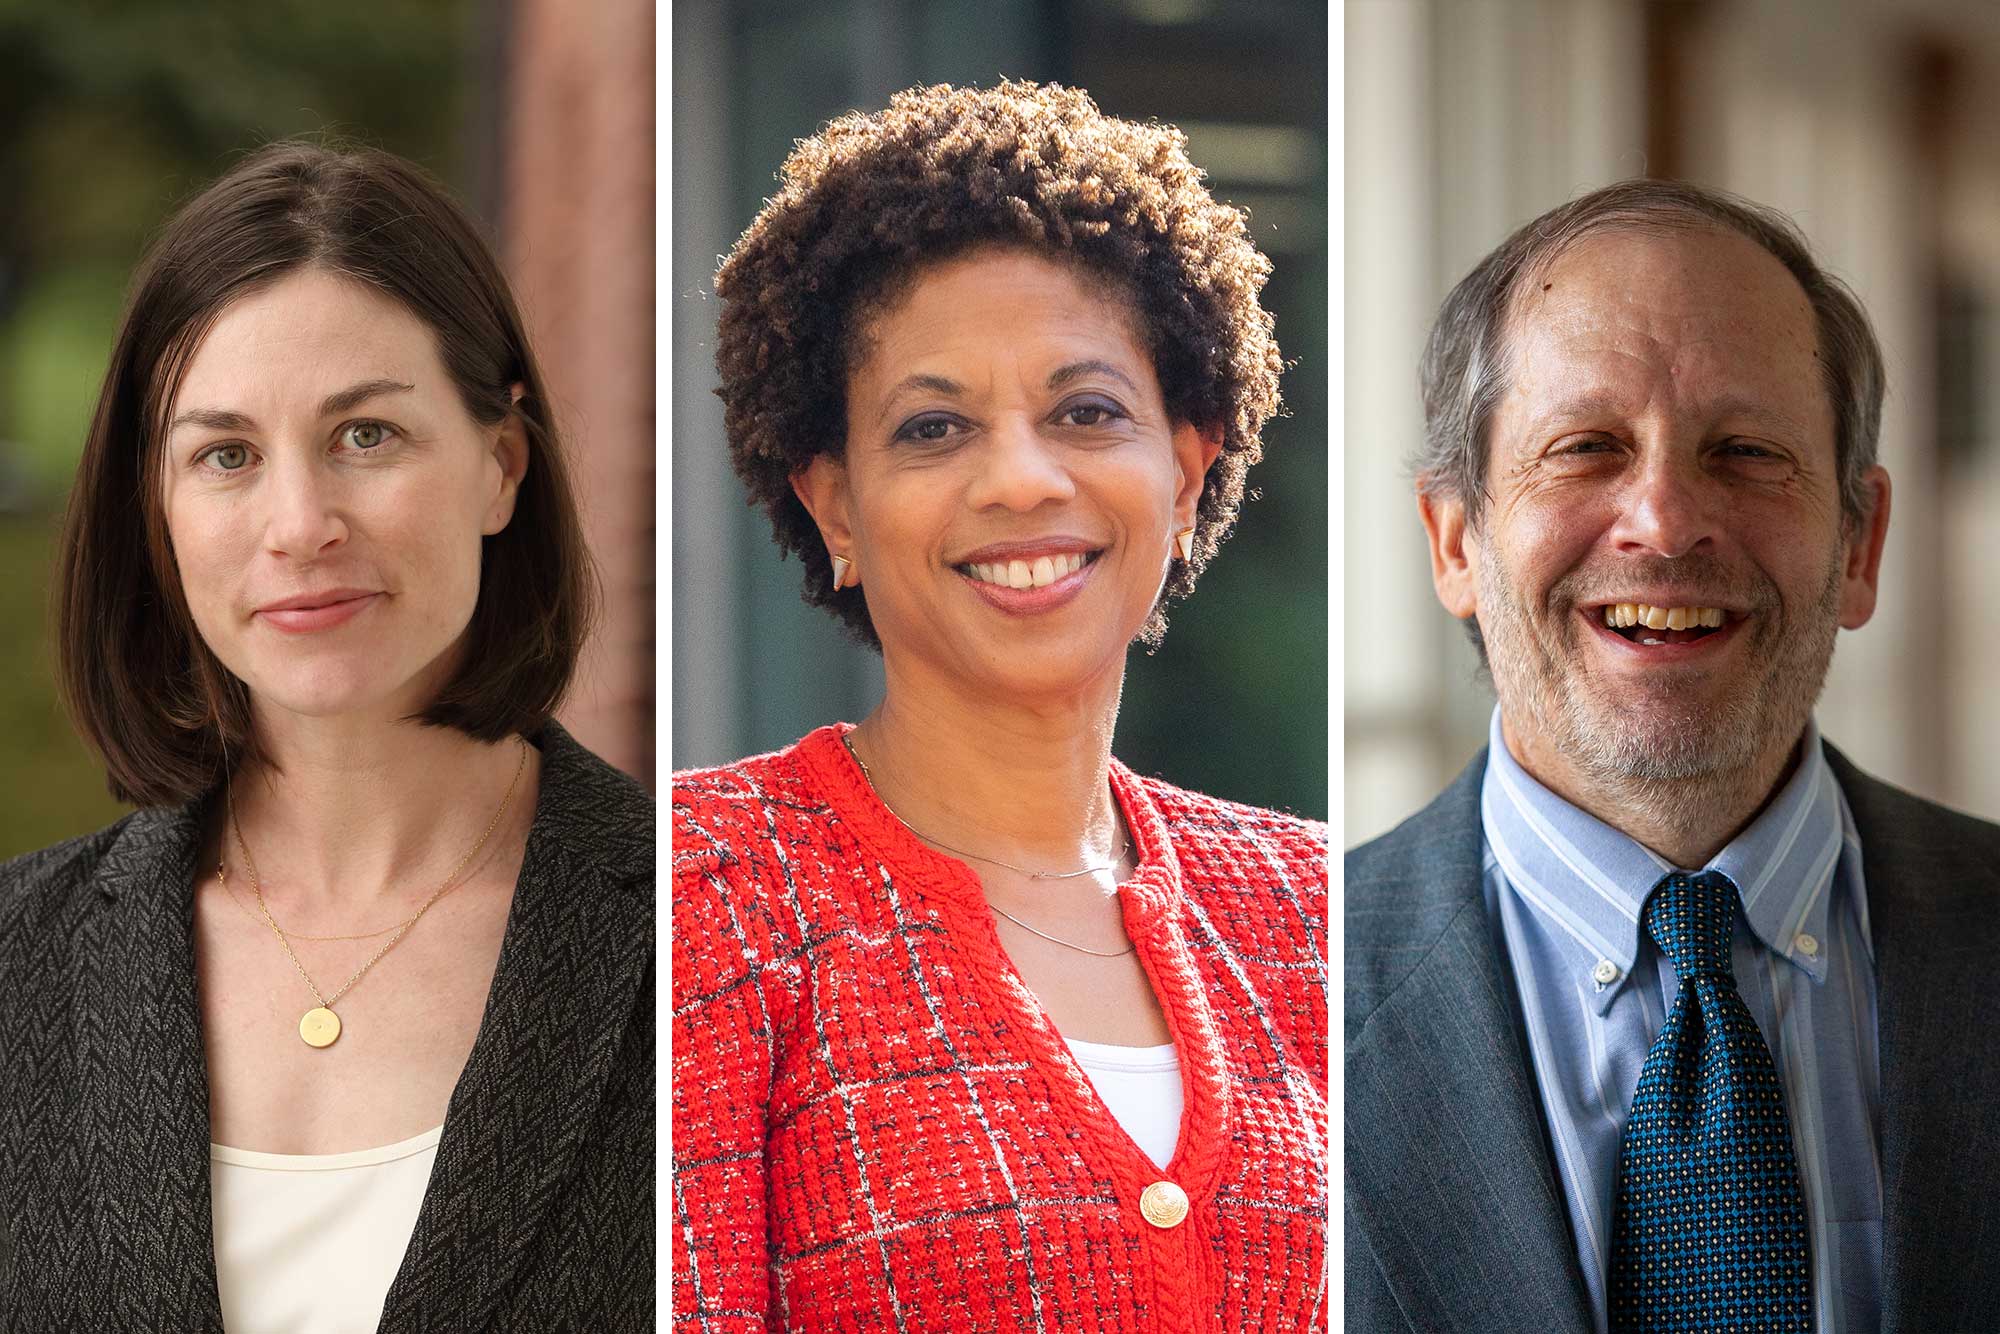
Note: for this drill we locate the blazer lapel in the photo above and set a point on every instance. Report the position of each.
(1447, 1163)
(141, 1119)
(578, 943)
(1934, 915)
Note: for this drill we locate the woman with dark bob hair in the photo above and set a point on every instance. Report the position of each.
(349, 1025)
(975, 1028)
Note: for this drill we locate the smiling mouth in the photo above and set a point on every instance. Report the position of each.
(1643, 623)
(1037, 573)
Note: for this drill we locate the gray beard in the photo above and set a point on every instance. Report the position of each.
(1663, 766)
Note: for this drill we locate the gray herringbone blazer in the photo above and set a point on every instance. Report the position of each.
(539, 1214)
(1454, 1221)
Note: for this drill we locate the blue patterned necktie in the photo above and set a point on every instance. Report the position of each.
(1709, 1228)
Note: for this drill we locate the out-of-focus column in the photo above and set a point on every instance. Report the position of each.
(1392, 669)
(577, 223)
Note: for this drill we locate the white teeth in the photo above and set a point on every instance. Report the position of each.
(1619, 615)
(1037, 573)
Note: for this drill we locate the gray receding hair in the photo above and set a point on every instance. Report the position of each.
(1466, 358)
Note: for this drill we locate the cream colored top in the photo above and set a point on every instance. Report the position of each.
(309, 1243)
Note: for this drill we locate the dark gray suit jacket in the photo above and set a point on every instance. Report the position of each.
(1454, 1219)
(539, 1214)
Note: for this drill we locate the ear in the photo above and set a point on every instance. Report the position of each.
(510, 456)
(821, 487)
(1454, 552)
(1862, 567)
(1195, 452)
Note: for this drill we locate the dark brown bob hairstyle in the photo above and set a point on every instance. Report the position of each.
(871, 200)
(167, 718)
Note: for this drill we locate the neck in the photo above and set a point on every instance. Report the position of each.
(1685, 820)
(346, 815)
(1027, 782)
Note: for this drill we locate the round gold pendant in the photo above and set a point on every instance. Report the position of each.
(320, 1027)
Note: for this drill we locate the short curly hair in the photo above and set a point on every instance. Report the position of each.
(873, 198)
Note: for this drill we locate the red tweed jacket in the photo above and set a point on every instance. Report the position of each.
(876, 1127)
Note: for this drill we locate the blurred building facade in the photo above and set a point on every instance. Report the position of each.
(1870, 122)
(1235, 701)
(577, 225)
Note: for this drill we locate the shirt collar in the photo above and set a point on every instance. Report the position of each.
(1590, 880)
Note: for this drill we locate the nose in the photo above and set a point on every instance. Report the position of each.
(1019, 468)
(303, 519)
(1667, 508)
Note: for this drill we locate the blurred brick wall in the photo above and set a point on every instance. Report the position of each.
(576, 217)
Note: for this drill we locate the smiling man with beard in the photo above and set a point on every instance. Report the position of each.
(1663, 1016)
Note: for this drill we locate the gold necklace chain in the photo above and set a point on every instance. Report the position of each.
(321, 1026)
(1123, 847)
(222, 875)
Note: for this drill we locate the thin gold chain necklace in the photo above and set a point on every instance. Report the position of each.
(320, 1026)
(222, 875)
(1123, 847)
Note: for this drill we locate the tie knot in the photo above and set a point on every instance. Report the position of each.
(1690, 918)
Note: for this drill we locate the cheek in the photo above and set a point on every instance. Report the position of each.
(908, 519)
(1545, 538)
(211, 553)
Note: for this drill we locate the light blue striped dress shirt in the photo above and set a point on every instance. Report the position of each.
(1564, 891)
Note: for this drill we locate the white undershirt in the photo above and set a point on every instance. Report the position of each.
(309, 1243)
(1142, 1088)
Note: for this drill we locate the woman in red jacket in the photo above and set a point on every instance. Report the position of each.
(973, 1027)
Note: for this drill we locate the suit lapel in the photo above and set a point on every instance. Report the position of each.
(1446, 1160)
(1933, 895)
(142, 1087)
(578, 941)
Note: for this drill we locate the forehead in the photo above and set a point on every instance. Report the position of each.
(307, 333)
(990, 302)
(1697, 322)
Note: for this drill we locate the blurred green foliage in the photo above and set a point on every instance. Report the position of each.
(111, 114)
(53, 789)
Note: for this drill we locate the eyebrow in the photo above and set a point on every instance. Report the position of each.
(950, 388)
(1077, 370)
(1588, 405)
(341, 400)
(936, 384)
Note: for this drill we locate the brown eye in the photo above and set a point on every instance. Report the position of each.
(1093, 412)
(931, 429)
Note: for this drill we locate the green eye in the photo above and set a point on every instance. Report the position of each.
(366, 435)
(230, 458)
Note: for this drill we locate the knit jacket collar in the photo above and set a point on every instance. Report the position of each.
(579, 935)
(1152, 899)
(1152, 890)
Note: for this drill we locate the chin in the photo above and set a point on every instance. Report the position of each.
(1661, 740)
(1031, 666)
(332, 689)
